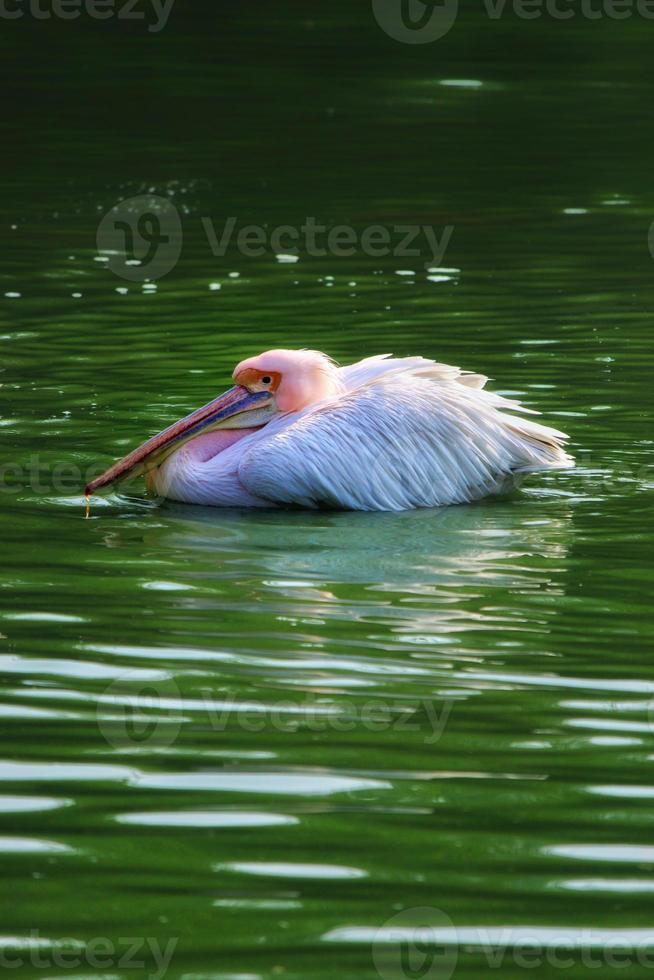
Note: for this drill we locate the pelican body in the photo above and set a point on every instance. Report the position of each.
(384, 434)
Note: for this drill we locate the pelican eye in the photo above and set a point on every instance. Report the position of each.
(266, 380)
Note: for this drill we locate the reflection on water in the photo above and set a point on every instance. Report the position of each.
(447, 546)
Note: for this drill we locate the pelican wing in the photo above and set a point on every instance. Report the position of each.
(383, 365)
(409, 433)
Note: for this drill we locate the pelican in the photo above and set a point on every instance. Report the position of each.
(384, 434)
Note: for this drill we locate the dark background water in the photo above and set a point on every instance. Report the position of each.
(350, 716)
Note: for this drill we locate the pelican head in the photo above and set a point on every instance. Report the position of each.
(295, 378)
(270, 384)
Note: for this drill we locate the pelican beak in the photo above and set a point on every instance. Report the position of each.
(237, 408)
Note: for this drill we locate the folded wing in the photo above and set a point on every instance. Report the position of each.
(407, 433)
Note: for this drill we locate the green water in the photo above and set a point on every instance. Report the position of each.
(252, 739)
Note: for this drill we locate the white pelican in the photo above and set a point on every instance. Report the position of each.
(385, 433)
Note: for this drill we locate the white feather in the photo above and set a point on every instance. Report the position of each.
(405, 433)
